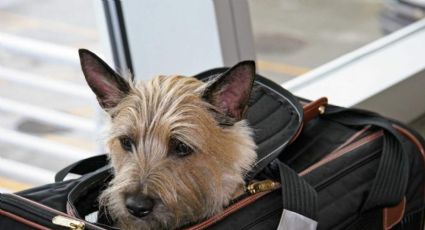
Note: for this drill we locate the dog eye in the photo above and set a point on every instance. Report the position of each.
(126, 143)
(180, 149)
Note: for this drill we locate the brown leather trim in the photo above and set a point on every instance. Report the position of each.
(412, 138)
(393, 215)
(353, 137)
(300, 129)
(415, 140)
(40, 205)
(229, 210)
(55, 211)
(332, 156)
(303, 103)
(311, 110)
(23, 220)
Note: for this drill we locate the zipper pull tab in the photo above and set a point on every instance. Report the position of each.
(262, 186)
(68, 223)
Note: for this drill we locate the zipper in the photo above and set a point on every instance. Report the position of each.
(68, 223)
(348, 169)
(342, 151)
(45, 213)
(11, 200)
(355, 137)
(261, 186)
(348, 146)
(325, 183)
(271, 185)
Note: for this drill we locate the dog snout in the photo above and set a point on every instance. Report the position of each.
(139, 205)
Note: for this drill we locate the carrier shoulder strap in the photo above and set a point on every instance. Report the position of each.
(390, 183)
(298, 197)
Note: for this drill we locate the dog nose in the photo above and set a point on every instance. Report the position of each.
(139, 205)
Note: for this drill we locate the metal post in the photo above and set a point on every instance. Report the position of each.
(178, 37)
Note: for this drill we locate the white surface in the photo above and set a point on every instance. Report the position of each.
(361, 75)
(169, 37)
(47, 115)
(25, 172)
(46, 147)
(40, 49)
(2, 190)
(294, 221)
(59, 86)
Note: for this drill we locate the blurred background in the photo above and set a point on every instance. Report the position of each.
(48, 116)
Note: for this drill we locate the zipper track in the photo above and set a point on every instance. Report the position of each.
(342, 151)
(21, 205)
(347, 170)
(320, 186)
(263, 218)
(12, 199)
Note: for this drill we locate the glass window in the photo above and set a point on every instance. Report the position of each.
(293, 36)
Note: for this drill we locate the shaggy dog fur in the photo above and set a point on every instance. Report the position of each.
(180, 148)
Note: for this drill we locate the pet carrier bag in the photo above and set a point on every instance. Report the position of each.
(319, 166)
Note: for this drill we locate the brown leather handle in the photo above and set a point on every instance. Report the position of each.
(314, 108)
(393, 215)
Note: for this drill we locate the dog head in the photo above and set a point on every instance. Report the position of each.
(179, 147)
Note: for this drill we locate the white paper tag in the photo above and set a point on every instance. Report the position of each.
(294, 221)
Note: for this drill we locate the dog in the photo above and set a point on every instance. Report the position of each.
(179, 147)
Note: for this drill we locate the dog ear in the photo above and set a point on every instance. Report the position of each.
(231, 91)
(109, 87)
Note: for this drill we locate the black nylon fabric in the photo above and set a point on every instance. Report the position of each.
(319, 138)
(391, 180)
(7, 223)
(53, 195)
(297, 195)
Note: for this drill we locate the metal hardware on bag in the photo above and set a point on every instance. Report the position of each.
(322, 109)
(68, 222)
(261, 186)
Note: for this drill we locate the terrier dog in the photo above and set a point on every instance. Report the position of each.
(179, 147)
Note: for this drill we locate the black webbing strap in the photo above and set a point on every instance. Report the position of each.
(297, 195)
(390, 183)
(83, 166)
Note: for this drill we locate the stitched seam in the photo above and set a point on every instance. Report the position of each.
(286, 142)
